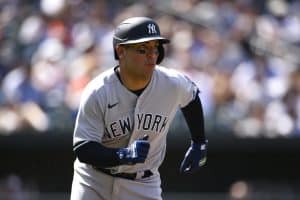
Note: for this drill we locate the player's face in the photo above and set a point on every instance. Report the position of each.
(141, 58)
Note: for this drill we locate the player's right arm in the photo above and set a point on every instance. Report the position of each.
(88, 133)
(96, 154)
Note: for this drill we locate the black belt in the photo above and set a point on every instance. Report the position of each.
(131, 176)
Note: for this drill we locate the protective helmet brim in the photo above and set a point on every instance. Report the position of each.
(160, 39)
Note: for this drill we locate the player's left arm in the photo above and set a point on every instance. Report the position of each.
(195, 156)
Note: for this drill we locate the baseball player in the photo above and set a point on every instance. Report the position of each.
(124, 116)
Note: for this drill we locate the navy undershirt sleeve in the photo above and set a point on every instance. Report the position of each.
(96, 154)
(193, 114)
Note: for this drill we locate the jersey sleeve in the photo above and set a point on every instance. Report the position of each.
(89, 125)
(188, 90)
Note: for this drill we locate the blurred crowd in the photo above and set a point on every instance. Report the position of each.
(243, 55)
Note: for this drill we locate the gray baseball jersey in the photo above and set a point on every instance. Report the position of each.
(114, 116)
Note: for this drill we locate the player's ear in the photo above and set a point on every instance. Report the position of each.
(120, 51)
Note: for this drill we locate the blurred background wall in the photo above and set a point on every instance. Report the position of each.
(243, 55)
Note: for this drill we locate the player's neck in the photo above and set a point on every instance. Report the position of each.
(133, 82)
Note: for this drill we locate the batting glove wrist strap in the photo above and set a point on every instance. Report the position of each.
(199, 146)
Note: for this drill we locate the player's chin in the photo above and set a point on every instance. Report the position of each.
(150, 66)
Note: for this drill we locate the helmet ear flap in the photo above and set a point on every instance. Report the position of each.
(161, 55)
(115, 43)
(116, 55)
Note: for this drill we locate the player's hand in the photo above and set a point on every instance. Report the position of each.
(136, 153)
(194, 158)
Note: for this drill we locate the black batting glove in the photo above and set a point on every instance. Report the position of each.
(194, 158)
(136, 153)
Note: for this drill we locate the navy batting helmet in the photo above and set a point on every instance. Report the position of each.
(136, 30)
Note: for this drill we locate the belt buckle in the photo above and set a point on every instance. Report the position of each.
(139, 175)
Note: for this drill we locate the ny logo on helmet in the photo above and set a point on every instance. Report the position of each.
(151, 29)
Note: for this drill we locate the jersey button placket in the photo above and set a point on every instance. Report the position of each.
(136, 111)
